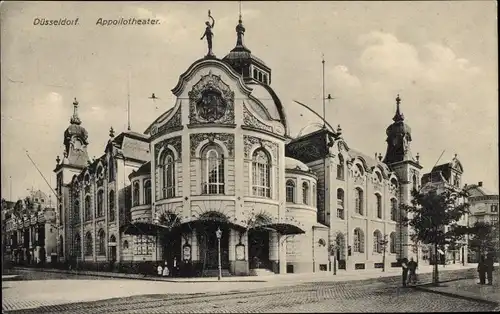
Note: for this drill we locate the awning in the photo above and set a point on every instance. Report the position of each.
(283, 228)
(194, 221)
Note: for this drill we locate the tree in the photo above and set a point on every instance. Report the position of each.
(482, 237)
(435, 219)
(383, 244)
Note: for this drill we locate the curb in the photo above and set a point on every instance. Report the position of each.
(455, 295)
(107, 275)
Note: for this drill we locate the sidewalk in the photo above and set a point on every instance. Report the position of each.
(342, 275)
(469, 289)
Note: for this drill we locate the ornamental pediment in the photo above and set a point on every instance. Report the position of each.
(211, 100)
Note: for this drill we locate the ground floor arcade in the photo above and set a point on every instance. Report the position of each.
(199, 246)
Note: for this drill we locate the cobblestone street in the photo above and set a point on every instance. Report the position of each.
(306, 297)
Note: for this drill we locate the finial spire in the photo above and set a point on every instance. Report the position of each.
(398, 116)
(75, 119)
(111, 132)
(240, 30)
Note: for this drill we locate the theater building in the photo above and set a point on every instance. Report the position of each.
(220, 168)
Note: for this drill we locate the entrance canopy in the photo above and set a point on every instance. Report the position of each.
(283, 228)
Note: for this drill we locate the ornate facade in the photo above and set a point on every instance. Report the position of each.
(222, 160)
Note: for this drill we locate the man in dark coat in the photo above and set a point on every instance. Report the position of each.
(489, 267)
(404, 268)
(481, 269)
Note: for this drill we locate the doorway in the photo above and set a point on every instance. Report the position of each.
(209, 252)
(258, 248)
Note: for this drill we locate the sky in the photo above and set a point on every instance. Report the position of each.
(440, 57)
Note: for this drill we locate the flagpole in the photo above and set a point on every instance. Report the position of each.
(128, 101)
(324, 108)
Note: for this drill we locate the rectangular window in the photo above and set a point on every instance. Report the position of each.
(494, 208)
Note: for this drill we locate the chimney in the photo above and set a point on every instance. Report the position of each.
(480, 183)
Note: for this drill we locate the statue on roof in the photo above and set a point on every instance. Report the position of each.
(209, 34)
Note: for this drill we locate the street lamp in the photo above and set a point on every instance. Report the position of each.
(218, 234)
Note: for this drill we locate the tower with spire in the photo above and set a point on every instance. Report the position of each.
(75, 158)
(400, 160)
(241, 59)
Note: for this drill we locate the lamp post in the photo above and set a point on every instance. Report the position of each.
(218, 234)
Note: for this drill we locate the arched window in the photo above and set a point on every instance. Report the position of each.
(147, 192)
(360, 169)
(415, 183)
(261, 174)
(392, 240)
(88, 244)
(100, 200)
(167, 166)
(359, 241)
(135, 194)
(305, 193)
(314, 195)
(290, 191)
(61, 244)
(377, 242)
(340, 203)
(379, 205)
(394, 209)
(111, 206)
(60, 215)
(77, 211)
(125, 245)
(340, 168)
(78, 245)
(213, 170)
(101, 244)
(111, 169)
(88, 208)
(379, 176)
(358, 199)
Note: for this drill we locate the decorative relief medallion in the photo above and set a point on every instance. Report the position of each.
(251, 120)
(174, 122)
(226, 138)
(211, 101)
(250, 141)
(176, 142)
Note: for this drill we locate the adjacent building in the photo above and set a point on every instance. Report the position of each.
(483, 208)
(447, 176)
(30, 234)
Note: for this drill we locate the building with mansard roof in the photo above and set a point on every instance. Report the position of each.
(220, 167)
(447, 177)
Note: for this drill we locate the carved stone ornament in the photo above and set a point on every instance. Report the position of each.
(226, 138)
(251, 120)
(172, 123)
(211, 101)
(175, 142)
(250, 142)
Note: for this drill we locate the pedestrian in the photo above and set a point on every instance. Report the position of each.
(166, 271)
(412, 268)
(404, 267)
(159, 269)
(481, 269)
(489, 267)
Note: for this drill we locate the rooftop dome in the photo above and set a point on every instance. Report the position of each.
(294, 164)
(75, 128)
